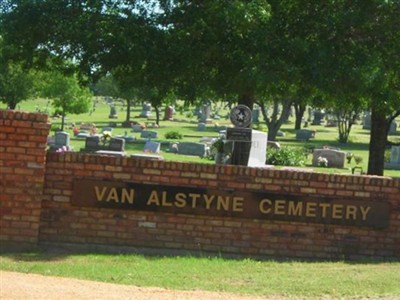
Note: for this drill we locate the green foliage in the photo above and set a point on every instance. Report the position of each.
(66, 94)
(358, 159)
(15, 82)
(173, 135)
(286, 156)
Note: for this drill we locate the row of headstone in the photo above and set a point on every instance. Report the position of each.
(93, 143)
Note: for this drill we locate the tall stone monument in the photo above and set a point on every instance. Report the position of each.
(240, 135)
(249, 147)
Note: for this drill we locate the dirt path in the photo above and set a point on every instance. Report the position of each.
(31, 286)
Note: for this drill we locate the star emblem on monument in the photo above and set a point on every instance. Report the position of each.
(241, 116)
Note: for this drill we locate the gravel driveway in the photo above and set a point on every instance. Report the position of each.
(31, 286)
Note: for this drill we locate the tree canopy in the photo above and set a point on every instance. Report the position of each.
(264, 51)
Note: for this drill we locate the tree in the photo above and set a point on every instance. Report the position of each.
(109, 86)
(67, 95)
(238, 50)
(354, 52)
(218, 46)
(15, 82)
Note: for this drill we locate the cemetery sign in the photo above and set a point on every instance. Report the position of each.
(219, 202)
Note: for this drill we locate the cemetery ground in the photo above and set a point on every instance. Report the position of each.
(134, 276)
(198, 277)
(186, 124)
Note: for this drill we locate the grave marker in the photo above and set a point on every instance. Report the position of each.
(61, 140)
(192, 148)
(336, 158)
(146, 111)
(152, 147)
(147, 134)
(305, 134)
(394, 158)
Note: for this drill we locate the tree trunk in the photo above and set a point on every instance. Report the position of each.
(377, 145)
(128, 110)
(157, 114)
(12, 105)
(247, 99)
(299, 111)
(274, 122)
(62, 120)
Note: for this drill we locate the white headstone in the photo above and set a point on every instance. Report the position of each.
(258, 150)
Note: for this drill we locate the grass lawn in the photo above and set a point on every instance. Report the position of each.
(186, 124)
(245, 276)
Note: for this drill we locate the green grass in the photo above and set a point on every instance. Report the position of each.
(187, 126)
(245, 276)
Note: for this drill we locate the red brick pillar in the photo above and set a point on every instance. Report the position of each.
(23, 142)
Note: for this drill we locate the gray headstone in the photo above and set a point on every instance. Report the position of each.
(395, 155)
(191, 148)
(394, 158)
(255, 114)
(336, 158)
(117, 144)
(92, 142)
(318, 117)
(137, 128)
(366, 120)
(201, 127)
(304, 134)
(146, 134)
(113, 113)
(61, 139)
(152, 147)
(146, 111)
(393, 127)
(205, 113)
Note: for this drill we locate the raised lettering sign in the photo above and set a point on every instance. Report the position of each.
(217, 202)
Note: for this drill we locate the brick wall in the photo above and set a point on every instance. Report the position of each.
(23, 138)
(64, 223)
(34, 186)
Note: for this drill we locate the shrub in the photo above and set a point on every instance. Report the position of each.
(358, 159)
(286, 156)
(173, 135)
